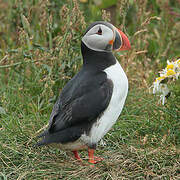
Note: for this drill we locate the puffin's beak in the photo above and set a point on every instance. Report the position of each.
(121, 41)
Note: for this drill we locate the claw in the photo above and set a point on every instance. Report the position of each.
(98, 159)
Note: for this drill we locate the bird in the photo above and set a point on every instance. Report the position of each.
(91, 102)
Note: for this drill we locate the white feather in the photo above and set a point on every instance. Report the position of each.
(98, 42)
(111, 114)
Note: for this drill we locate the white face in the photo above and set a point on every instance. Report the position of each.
(98, 38)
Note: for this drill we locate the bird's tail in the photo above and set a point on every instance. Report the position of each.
(64, 136)
(42, 141)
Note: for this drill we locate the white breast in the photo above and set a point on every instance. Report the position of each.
(111, 114)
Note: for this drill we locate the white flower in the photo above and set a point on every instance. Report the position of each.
(156, 84)
(164, 92)
(171, 71)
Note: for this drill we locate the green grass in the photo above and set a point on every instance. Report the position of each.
(40, 52)
(142, 144)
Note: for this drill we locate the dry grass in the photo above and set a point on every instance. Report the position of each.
(124, 162)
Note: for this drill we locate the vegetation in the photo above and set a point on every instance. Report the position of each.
(40, 52)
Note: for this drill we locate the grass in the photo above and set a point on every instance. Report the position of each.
(40, 53)
(139, 146)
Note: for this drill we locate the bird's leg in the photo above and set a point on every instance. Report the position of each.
(93, 159)
(91, 156)
(76, 155)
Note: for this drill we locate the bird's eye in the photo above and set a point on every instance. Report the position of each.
(99, 31)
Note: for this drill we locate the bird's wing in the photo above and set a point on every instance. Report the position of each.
(81, 102)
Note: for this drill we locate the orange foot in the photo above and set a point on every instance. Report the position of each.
(93, 159)
(76, 155)
(98, 159)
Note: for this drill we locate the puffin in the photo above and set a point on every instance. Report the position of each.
(91, 102)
